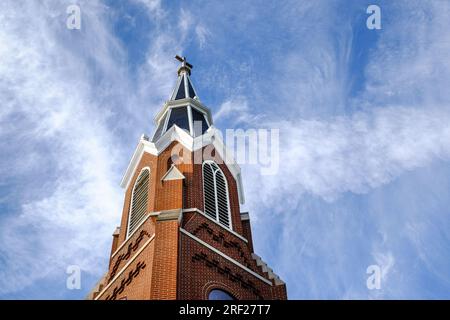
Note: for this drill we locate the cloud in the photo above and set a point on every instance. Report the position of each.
(153, 7)
(361, 152)
(67, 98)
(202, 35)
(349, 192)
(352, 167)
(61, 123)
(411, 60)
(386, 261)
(375, 137)
(236, 110)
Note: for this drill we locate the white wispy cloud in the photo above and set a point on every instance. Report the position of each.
(61, 93)
(237, 110)
(153, 6)
(48, 93)
(357, 153)
(401, 124)
(202, 34)
(66, 94)
(378, 142)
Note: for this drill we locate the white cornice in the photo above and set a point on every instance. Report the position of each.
(211, 136)
(143, 146)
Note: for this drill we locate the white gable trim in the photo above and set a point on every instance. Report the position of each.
(211, 136)
(143, 146)
(173, 174)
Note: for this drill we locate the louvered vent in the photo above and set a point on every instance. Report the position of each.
(216, 193)
(208, 190)
(139, 202)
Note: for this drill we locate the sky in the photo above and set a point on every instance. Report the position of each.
(364, 120)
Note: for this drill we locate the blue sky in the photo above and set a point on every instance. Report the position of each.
(364, 119)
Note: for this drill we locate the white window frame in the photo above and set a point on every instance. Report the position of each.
(230, 227)
(132, 196)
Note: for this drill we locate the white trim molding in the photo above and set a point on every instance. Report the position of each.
(143, 146)
(132, 199)
(215, 170)
(226, 257)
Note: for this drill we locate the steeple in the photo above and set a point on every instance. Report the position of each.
(184, 108)
(182, 234)
(184, 87)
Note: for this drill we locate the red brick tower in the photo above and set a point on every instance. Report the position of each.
(182, 235)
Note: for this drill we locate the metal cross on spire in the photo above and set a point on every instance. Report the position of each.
(185, 66)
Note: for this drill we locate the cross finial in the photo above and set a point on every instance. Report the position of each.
(185, 66)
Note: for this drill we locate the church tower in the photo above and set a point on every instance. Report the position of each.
(182, 235)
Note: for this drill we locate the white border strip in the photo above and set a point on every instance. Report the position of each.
(129, 237)
(125, 267)
(225, 256)
(211, 219)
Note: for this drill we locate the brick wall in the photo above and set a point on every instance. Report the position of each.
(130, 273)
(203, 270)
(194, 189)
(173, 265)
(220, 238)
(247, 231)
(165, 263)
(150, 161)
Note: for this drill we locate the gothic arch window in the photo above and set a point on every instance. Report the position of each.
(139, 200)
(218, 294)
(215, 194)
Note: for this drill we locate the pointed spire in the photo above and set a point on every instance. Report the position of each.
(184, 109)
(184, 87)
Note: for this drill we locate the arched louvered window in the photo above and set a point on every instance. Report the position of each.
(215, 193)
(139, 200)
